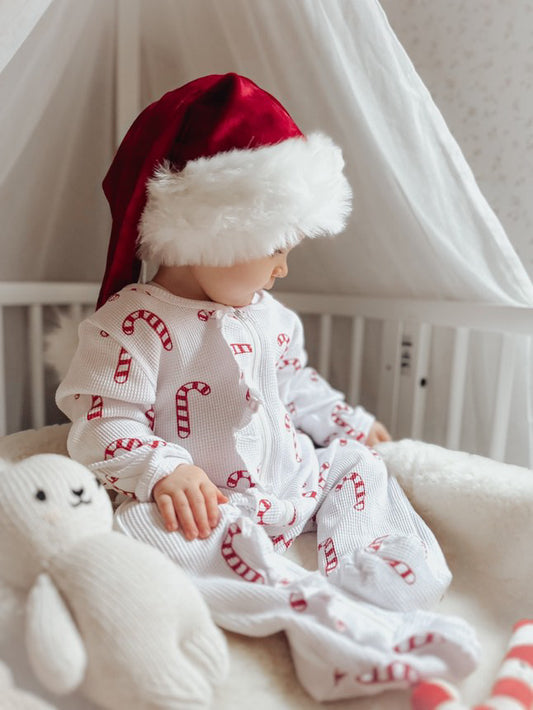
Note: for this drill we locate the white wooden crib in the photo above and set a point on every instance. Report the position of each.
(388, 341)
(478, 508)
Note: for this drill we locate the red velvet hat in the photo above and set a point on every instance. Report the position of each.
(217, 172)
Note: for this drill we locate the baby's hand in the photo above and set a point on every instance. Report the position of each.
(376, 434)
(189, 501)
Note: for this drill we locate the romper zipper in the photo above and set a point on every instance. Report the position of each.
(260, 412)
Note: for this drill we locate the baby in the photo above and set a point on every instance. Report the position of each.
(191, 397)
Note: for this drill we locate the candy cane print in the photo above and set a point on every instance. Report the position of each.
(237, 476)
(204, 315)
(298, 602)
(291, 362)
(395, 672)
(283, 340)
(338, 676)
(321, 472)
(111, 481)
(130, 445)
(281, 539)
(157, 325)
(122, 371)
(413, 643)
(359, 487)
(330, 554)
(97, 407)
(150, 415)
(235, 561)
(182, 405)
(339, 421)
(376, 544)
(290, 428)
(264, 506)
(241, 348)
(402, 569)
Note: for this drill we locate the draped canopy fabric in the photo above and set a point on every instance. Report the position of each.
(420, 226)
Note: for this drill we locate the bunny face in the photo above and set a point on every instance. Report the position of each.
(47, 504)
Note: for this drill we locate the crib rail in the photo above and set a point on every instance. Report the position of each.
(407, 328)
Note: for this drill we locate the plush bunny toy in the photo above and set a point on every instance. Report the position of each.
(105, 614)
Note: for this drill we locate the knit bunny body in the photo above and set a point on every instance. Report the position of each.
(105, 614)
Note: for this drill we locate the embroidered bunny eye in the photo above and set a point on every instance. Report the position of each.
(40, 495)
(98, 482)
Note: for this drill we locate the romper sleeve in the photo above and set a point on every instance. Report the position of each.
(111, 418)
(315, 407)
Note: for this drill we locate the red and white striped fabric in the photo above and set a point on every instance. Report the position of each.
(513, 689)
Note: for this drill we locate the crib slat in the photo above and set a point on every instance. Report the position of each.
(36, 366)
(324, 346)
(356, 359)
(457, 387)
(500, 423)
(389, 376)
(3, 410)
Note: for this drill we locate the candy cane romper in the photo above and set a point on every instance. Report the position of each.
(160, 380)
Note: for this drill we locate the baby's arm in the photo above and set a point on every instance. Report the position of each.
(189, 501)
(316, 408)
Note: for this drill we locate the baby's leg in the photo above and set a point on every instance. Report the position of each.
(341, 647)
(371, 542)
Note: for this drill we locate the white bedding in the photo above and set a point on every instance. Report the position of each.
(482, 514)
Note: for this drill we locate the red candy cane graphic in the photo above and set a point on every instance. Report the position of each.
(237, 476)
(97, 407)
(112, 481)
(150, 415)
(339, 421)
(330, 554)
(298, 602)
(290, 428)
(204, 315)
(157, 325)
(264, 506)
(241, 348)
(122, 371)
(291, 362)
(413, 643)
(338, 676)
(281, 539)
(394, 672)
(401, 568)
(182, 405)
(321, 477)
(359, 487)
(129, 445)
(235, 561)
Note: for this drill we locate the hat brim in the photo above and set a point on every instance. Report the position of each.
(244, 204)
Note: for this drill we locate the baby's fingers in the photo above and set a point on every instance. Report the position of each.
(185, 515)
(165, 505)
(199, 510)
(212, 499)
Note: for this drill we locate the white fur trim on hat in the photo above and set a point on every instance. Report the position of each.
(245, 204)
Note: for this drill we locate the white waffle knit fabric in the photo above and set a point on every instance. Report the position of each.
(160, 380)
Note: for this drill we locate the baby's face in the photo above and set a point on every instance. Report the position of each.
(236, 285)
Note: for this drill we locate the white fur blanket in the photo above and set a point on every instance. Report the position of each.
(482, 514)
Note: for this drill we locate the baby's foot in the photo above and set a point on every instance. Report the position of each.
(393, 571)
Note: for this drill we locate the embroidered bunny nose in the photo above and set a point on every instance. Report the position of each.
(78, 493)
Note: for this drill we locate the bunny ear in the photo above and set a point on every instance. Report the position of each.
(55, 648)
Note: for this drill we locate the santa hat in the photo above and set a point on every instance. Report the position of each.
(216, 172)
